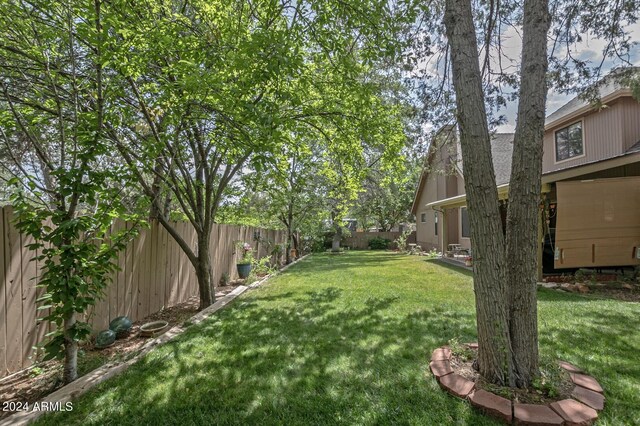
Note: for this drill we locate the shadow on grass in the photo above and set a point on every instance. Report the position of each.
(449, 266)
(304, 363)
(605, 344)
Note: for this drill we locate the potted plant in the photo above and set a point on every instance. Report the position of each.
(244, 262)
(468, 261)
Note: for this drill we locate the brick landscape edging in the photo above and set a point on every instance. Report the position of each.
(83, 384)
(583, 409)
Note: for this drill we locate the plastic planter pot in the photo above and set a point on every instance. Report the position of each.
(244, 269)
(154, 328)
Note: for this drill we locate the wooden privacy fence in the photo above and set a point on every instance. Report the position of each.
(154, 274)
(360, 240)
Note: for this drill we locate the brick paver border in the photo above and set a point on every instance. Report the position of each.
(583, 409)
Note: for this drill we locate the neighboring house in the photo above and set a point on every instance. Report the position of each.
(590, 201)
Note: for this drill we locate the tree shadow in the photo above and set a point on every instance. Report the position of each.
(305, 362)
(459, 269)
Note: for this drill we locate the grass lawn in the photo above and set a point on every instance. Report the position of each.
(346, 340)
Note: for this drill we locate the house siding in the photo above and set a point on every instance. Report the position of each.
(439, 184)
(602, 133)
(630, 122)
(425, 231)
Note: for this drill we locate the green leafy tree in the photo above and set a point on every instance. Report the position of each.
(54, 103)
(214, 89)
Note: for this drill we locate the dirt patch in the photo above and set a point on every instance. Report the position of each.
(612, 286)
(554, 384)
(33, 384)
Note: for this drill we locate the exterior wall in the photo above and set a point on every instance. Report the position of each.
(630, 122)
(465, 242)
(602, 133)
(607, 133)
(597, 223)
(439, 184)
(425, 231)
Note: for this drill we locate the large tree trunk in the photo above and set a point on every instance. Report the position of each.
(70, 368)
(204, 272)
(487, 240)
(524, 193)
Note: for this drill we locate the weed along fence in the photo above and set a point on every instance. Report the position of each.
(360, 240)
(154, 274)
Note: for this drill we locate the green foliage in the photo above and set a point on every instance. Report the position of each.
(401, 241)
(245, 252)
(460, 349)
(68, 194)
(433, 254)
(76, 261)
(552, 378)
(225, 279)
(261, 267)
(379, 243)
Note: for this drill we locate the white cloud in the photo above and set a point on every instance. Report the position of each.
(589, 48)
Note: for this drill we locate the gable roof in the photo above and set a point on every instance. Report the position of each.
(501, 153)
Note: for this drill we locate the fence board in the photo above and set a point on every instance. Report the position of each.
(112, 289)
(28, 272)
(13, 301)
(129, 276)
(138, 258)
(121, 226)
(154, 262)
(3, 305)
(164, 266)
(154, 274)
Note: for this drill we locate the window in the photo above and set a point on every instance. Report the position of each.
(569, 142)
(435, 221)
(423, 217)
(466, 229)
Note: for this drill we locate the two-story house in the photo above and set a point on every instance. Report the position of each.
(590, 202)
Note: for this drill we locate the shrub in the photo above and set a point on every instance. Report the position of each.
(379, 243)
(261, 267)
(401, 241)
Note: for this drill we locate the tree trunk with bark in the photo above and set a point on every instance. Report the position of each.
(524, 194)
(70, 368)
(204, 271)
(494, 353)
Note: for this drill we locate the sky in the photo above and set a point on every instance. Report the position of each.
(589, 48)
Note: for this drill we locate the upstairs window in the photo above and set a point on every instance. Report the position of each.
(423, 217)
(569, 143)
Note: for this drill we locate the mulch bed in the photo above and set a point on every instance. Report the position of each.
(463, 366)
(31, 385)
(600, 285)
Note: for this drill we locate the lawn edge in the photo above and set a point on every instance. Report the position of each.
(85, 383)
